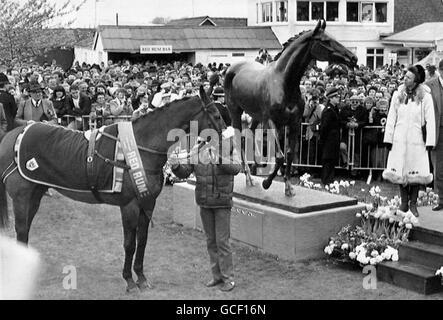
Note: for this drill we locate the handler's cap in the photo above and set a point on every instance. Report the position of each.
(331, 92)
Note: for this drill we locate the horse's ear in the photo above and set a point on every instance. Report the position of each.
(323, 26)
(317, 28)
(204, 96)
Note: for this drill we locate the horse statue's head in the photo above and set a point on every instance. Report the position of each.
(326, 48)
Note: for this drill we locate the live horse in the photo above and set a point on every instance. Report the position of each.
(151, 132)
(271, 95)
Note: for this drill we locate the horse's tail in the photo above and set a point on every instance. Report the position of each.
(3, 206)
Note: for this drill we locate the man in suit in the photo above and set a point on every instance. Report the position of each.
(36, 108)
(436, 86)
(8, 102)
(330, 136)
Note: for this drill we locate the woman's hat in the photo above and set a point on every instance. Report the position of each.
(419, 72)
(331, 92)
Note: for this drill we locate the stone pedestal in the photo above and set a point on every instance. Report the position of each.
(292, 228)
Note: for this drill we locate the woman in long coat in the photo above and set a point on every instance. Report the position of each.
(408, 162)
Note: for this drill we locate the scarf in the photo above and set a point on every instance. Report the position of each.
(410, 93)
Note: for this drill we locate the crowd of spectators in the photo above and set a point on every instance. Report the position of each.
(124, 90)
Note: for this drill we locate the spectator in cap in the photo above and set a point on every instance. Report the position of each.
(79, 106)
(60, 103)
(330, 136)
(121, 106)
(8, 102)
(436, 86)
(408, 163)
(36, 109)
(353, 118)
(219, 100)
(312, 116)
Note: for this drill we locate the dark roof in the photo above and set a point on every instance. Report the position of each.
(410, 13)
(66, 37)
(130, 38)
(208, 21)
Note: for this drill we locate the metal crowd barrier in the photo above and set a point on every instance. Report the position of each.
(360, 154)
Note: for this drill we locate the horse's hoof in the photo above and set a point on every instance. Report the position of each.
(131, 287)
(266, 184)
(290, 191)
(144, 285)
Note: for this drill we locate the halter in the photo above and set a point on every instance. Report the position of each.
(204, 108)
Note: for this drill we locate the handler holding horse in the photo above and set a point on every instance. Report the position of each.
(32, 158)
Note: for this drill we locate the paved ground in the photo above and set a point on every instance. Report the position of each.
(68, 233)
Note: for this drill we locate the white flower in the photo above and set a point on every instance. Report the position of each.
(379, 259)
(345, 246)
(373, 261)
(408, 226)
(352, 255)
(377, 189)
(414, 221)
(391, 220)
(331, 243)
(352, 183)
(358, 215)
(395, 257)
(374, 253)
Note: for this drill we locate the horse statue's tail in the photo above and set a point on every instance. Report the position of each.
(3, 206)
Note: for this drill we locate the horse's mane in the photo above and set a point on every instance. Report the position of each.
(288, 43)
(158, 111)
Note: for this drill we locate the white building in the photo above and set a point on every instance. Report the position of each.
(358, 25)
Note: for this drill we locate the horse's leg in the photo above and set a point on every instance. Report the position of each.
(26, 197)
(293, 136)
(280, 159)
(130, 215)
(142, 237)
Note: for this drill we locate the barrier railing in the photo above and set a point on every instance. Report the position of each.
(362, 153)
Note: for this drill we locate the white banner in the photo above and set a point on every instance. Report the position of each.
(155, 49)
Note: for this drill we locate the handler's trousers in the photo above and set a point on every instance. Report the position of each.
(437, 163)
(217, 227)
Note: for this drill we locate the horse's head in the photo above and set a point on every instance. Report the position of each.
(209, 117)
(325, 48)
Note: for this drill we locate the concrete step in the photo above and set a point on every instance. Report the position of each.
(410, 275)
(426, 235)
(427, 254)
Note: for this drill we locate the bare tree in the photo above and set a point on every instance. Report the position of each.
(26, 27)
(161, 20)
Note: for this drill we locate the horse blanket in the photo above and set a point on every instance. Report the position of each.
(56, 157)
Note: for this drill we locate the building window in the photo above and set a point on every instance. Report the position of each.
(239, 54)
(317, 10)
(374, 58)
(352, 12)
(267, 12)
(282, 11)
(302, 10)
(366, 11)
(381, 10)
(331, 11)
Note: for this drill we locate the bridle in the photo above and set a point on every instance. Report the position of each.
(204, 109)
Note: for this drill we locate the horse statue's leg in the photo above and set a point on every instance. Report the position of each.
(280, 158)
(142, 238)
(130, 218)
(292, 137)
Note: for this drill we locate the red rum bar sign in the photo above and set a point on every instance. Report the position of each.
(155, 49)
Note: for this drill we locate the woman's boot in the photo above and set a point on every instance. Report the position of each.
(404, 196)
(413, 196)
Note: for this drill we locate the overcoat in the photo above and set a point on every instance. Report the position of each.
(408, 161)
(330, 133)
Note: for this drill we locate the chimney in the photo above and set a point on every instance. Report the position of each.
(116, 19)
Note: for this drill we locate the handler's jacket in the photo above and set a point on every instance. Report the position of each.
(215, 182)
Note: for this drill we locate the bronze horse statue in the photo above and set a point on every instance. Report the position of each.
(271, 95)
(151, 136)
